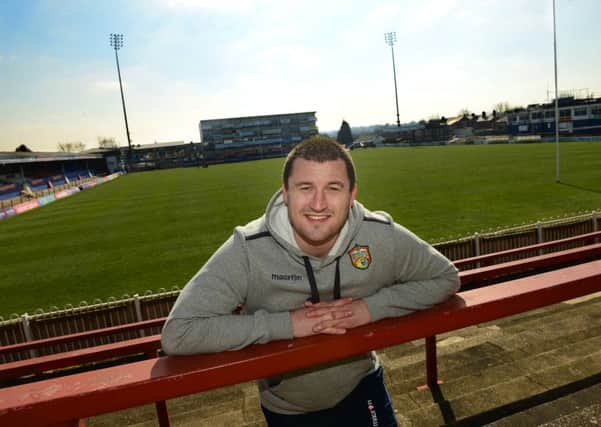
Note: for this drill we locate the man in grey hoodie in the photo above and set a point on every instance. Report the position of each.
(317, 262)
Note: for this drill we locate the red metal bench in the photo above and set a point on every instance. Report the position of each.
(489, 259)
(482, 276)
(37, 365)
(82, 336)
(65, 400)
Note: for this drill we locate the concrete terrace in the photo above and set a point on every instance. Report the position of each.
(540, 368)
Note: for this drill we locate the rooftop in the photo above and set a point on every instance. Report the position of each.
(257, 117)
(30, 157)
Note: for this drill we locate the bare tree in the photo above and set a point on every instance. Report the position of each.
(71, 147)
(23, 149)
(104, 142)
(501, 107)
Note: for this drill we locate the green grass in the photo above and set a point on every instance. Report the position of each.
(154, 230)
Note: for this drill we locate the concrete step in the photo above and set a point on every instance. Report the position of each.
(495, 392)
(492, 345)
(580, 408)
(492, 374)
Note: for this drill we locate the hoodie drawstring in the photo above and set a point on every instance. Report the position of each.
(337, 280)
(314, 292)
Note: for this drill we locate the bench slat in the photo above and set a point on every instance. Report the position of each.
(68, 359)
(94, 333)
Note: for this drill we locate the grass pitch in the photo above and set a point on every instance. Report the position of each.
(155, 229)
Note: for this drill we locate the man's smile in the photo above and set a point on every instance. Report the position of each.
(318, 217)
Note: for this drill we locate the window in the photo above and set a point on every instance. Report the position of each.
(537, 115)
(580, 112)
(549, 114)
(272, 131)
(565, 113)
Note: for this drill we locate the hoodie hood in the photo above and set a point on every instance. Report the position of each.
(278, 224)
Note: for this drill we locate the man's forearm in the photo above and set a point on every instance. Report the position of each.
(403, 298)
(182, 336)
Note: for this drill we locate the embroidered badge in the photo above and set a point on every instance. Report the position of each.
(360, 257)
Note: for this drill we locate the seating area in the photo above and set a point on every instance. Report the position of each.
(9, 191)
(518, 295)
(116, 347)
(15, 193)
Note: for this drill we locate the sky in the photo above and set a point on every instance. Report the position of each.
(188, 60)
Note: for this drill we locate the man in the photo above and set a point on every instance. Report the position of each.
(317, 262)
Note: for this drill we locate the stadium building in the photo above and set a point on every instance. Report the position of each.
(576, 117)
(162, 155)
(254, 137)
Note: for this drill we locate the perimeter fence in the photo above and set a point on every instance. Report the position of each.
(114, 312)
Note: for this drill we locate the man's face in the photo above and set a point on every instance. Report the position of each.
(318, 200)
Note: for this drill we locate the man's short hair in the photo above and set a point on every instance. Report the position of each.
(319, 149)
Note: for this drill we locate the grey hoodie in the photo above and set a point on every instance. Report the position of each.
(261, 268)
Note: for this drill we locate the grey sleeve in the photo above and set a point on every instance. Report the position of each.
(201, 320)
(425, 277)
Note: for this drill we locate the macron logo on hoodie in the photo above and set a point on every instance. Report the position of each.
(286, 277)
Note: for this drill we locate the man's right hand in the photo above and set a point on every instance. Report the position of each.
(305, 319)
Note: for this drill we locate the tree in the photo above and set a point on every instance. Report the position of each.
(501, 107)
(345, 136)
(23, 149)
(104, 142)
(71, 147)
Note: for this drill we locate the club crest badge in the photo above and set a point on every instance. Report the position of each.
(360, 257)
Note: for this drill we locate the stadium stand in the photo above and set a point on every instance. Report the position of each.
(10, 191)
(41, 172)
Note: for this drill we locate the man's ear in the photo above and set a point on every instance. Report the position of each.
(353, 195)
(285, 194)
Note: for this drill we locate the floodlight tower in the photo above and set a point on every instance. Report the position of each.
(116, 41)
(557, 179)
(390, 39)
